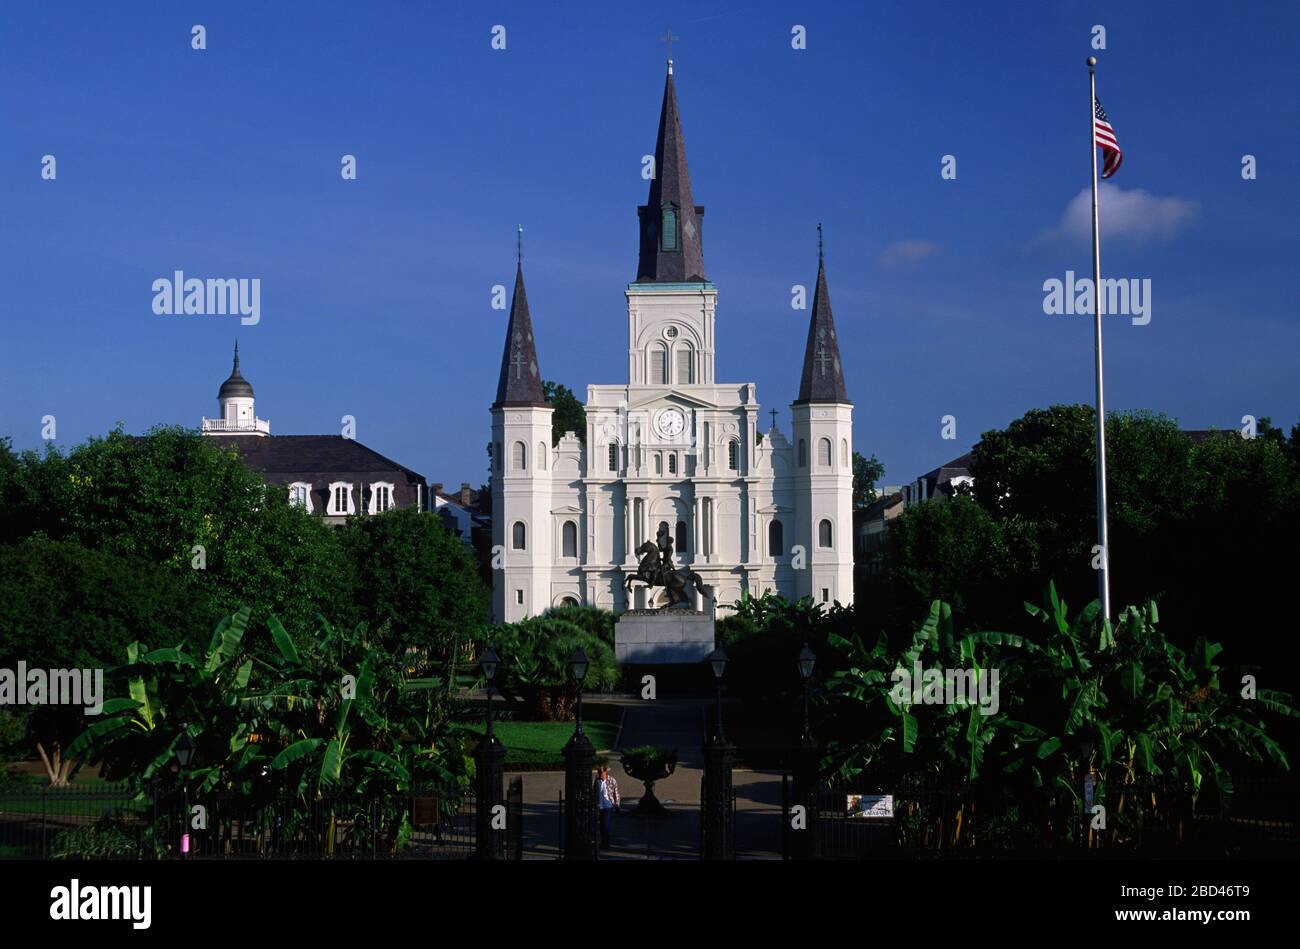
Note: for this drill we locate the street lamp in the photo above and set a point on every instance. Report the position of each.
(578, 664)
(717, 661)
(806, 662)
(184, 747)
(184, 755)
(806, 844)
(488, 663)
(489, 759)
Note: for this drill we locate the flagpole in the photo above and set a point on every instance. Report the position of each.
(1103, 575)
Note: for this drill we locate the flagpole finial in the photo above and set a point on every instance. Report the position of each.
(1092, 61)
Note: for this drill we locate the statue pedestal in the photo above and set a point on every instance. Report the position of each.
(644, 637)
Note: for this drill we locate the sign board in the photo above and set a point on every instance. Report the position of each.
(869, 805)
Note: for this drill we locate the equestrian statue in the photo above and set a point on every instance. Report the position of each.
(656, 569)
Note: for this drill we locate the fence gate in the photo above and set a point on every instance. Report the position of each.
(515, 818)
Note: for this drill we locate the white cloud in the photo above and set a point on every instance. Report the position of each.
(1137, 214)
(905, 253)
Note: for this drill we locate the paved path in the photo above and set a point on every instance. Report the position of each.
(673, 723)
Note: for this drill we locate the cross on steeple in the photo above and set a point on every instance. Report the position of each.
(822, 357)
(668, 38)
(517, 359)
(519, 244)
(773, 419)
(819, 242)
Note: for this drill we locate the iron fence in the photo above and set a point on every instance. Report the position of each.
(928, 817)
(115, 822)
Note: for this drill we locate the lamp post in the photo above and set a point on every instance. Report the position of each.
(805, 768)
(184, 755)
(489, 767)
(579, 754)
(717, 661)
(716, 832)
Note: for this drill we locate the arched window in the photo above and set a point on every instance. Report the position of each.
(658, 364)
(681, 537)
(775, 539)
(685, 365)
(733, 455)
(825, 454)
(659, 463)
(668, 240)
(803, 453)
(519, 536)
(569, 541)
(672, 463)
(519, 456)
(825, 537)
(844, 452)
(541, 456)
(569, 601)
(613, 456)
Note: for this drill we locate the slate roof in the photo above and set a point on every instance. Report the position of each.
(823, 374)
(282, 459)
(520, 382)
(671, 186)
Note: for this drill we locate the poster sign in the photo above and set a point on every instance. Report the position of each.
(869, 805)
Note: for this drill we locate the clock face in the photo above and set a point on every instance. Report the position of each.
(671, 422)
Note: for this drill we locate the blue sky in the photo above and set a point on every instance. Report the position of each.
(376, 292)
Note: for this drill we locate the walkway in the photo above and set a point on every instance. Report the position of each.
(672, 723)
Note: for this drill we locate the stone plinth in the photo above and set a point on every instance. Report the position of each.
(663, 636)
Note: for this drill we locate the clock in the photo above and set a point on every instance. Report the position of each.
(671, 423)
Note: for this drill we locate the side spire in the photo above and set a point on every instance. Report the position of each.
(823, 375)
(521, 381)
(671, 223)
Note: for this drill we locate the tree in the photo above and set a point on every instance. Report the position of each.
(866, 472)
(188, 505)
(1147, 718)
(954, 550)
(417, 586)
(569, 415)
(535, 663)
(66, 607)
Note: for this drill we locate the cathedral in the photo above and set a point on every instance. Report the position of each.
(671, 451)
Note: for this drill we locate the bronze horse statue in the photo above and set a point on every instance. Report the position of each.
(656, 570)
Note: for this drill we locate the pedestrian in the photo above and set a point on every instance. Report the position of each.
(605, 790)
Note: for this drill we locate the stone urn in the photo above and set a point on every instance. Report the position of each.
(648, 764)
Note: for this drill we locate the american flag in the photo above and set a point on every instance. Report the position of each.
(1104, 136)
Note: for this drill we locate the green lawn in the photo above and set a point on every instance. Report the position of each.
(539, 744)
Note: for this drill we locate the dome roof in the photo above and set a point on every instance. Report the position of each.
(236, 387)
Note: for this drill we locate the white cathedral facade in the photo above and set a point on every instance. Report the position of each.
(671, 448)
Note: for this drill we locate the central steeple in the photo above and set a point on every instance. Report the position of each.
(671, 223)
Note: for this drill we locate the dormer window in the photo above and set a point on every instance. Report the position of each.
(300, 495)
(668, 239)
(340, 496)
(381, 497)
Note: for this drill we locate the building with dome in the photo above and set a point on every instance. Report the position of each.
(331, 475)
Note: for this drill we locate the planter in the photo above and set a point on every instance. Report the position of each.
(649, 764)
